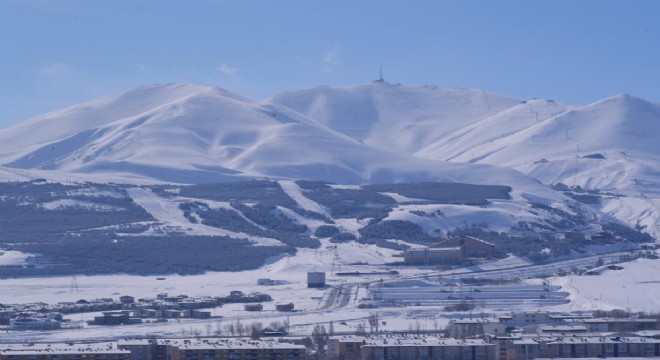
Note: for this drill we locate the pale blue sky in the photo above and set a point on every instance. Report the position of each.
(61, 52)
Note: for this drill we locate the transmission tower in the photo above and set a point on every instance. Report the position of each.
(74, 284)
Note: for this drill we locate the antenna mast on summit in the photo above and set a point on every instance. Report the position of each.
(380, 79)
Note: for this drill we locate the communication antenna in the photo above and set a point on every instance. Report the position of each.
(336, 261)
(380, 78)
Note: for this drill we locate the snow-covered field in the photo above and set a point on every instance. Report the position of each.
(636, 287)
(311, 304)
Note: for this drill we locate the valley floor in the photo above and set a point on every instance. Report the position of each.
(634, 288)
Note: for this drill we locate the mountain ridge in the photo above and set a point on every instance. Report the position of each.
(368, 133)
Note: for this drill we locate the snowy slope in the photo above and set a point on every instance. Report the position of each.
(462, 142)
(9, 174)
(610, 145)
(395, 117)
(616, 124)
(370, 133)
(203, 134)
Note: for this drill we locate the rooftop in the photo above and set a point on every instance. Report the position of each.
(64, 348)
(207, 344)
(584, 339)
(409, 340)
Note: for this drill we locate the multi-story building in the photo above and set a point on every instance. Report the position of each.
(526, 318)
(400, 347)
(99, 351)
(234, 349)
(427, 348)
(348, 347)
(618, 325)
(471, 247)
(433, 256)
(141, 349)
(582, 347)
(466, 328)
(29, 322)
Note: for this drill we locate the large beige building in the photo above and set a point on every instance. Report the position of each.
(471, 247)
(432, 256)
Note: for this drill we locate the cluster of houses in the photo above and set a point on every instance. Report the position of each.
(128, 310)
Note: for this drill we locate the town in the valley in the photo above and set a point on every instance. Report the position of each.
(452, 300)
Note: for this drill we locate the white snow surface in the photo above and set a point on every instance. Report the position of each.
(184, 133)
(78, 204)
(636, 287)
(13, 257)
(293, 190)
(610, 145)
(395, 117)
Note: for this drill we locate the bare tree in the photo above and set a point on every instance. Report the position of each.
(231, 329)
(255, 330)
(373, 322)
(360, 330)
(320, 340)
(240, 329)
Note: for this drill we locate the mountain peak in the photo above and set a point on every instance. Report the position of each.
(626, 99)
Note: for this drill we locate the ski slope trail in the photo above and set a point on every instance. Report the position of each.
(293, 190)
(169, 214)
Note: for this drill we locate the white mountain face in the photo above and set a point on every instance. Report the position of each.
(609, 146)
(198, 134)
(372, 133)
(396, 118)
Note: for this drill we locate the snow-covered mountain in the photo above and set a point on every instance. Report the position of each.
(395, 117)
(370, 133)
(609, 146)
(193, 134)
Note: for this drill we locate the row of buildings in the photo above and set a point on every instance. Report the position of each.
(159, 349)
(546, 323)
(428, 347)
(383, 346)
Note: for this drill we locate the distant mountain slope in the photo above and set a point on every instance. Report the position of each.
(395, 117)
(620, 123)
(610, 146)
(463, 142)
